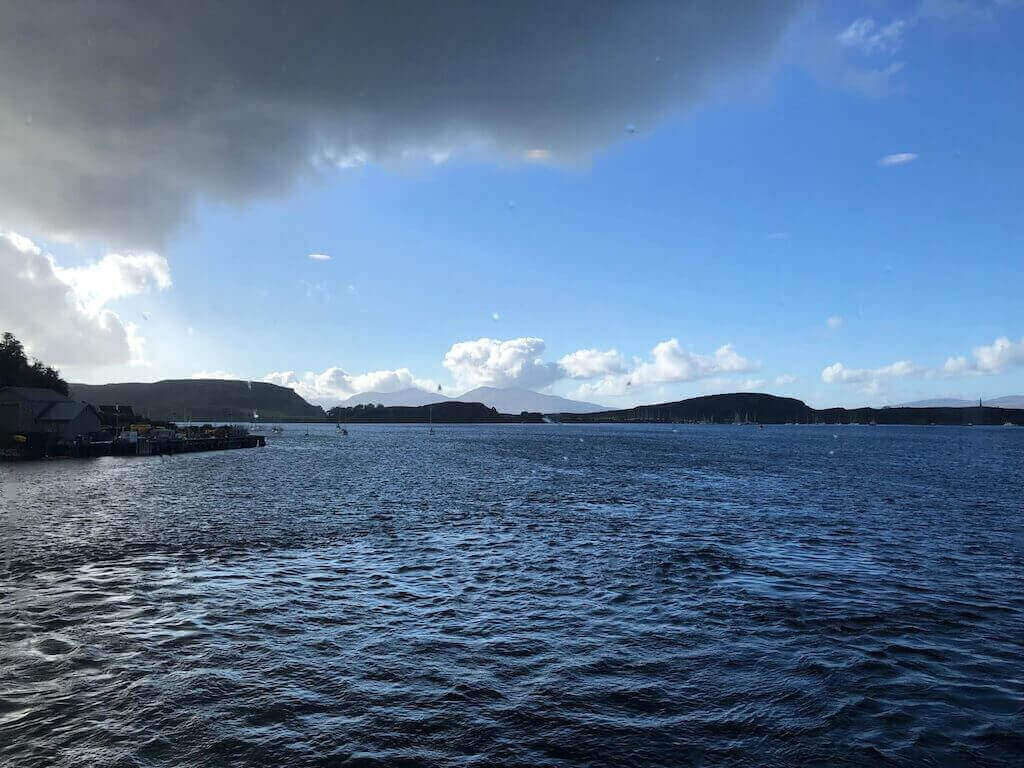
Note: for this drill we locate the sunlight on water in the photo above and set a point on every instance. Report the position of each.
(512, 595)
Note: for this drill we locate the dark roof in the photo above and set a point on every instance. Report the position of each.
(67, 410)
(34, 394)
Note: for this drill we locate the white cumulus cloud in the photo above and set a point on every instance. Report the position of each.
(60, 313)
(215, 375)
(988, 359)
(870, 378)
(319, 257)
(115, 276)
(334, 384)
(590, 363)
(501, 363)
(281, 378)
(669, 363)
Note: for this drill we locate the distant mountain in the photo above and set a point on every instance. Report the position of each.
(410, 396)
(939, 402)
(512, 400)
(1008, 401)
(201, 399)
(517, 400)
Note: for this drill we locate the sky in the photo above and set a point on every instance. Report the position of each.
(616, 202)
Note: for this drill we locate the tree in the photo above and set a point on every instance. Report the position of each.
(17, 371)
(12, 360)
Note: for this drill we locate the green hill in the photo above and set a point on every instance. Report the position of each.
(202, 399)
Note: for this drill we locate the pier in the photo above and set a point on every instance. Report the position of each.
(38, 449)
(143, 447)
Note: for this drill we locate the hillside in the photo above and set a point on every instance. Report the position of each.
(201, 399)
(769, 409)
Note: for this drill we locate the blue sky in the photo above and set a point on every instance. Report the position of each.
(760, 218)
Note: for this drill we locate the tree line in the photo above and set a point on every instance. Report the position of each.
(16, 370)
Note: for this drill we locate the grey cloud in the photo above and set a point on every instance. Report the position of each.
(118, 116)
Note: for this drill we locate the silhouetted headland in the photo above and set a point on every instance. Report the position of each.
(203, 400)
(446, 412)
(756, 408)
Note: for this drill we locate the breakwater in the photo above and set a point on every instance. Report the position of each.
(38, 449)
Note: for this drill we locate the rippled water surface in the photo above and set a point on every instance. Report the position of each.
(521, 595)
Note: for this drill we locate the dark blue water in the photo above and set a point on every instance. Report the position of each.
(522, 595)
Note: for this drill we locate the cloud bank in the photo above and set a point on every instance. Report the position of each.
(119, 115)
(871, 378)
(669, 363)
(519, 362)
(589, 363)
(985, 360)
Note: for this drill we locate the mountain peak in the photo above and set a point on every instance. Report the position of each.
(407, 396)
(505, 399)
(518, 399)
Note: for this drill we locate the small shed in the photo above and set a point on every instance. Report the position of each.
(69, 419)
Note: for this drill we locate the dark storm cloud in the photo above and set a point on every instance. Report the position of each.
(116, 116)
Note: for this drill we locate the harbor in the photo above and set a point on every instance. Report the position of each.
(38, 423)
(165, 446)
